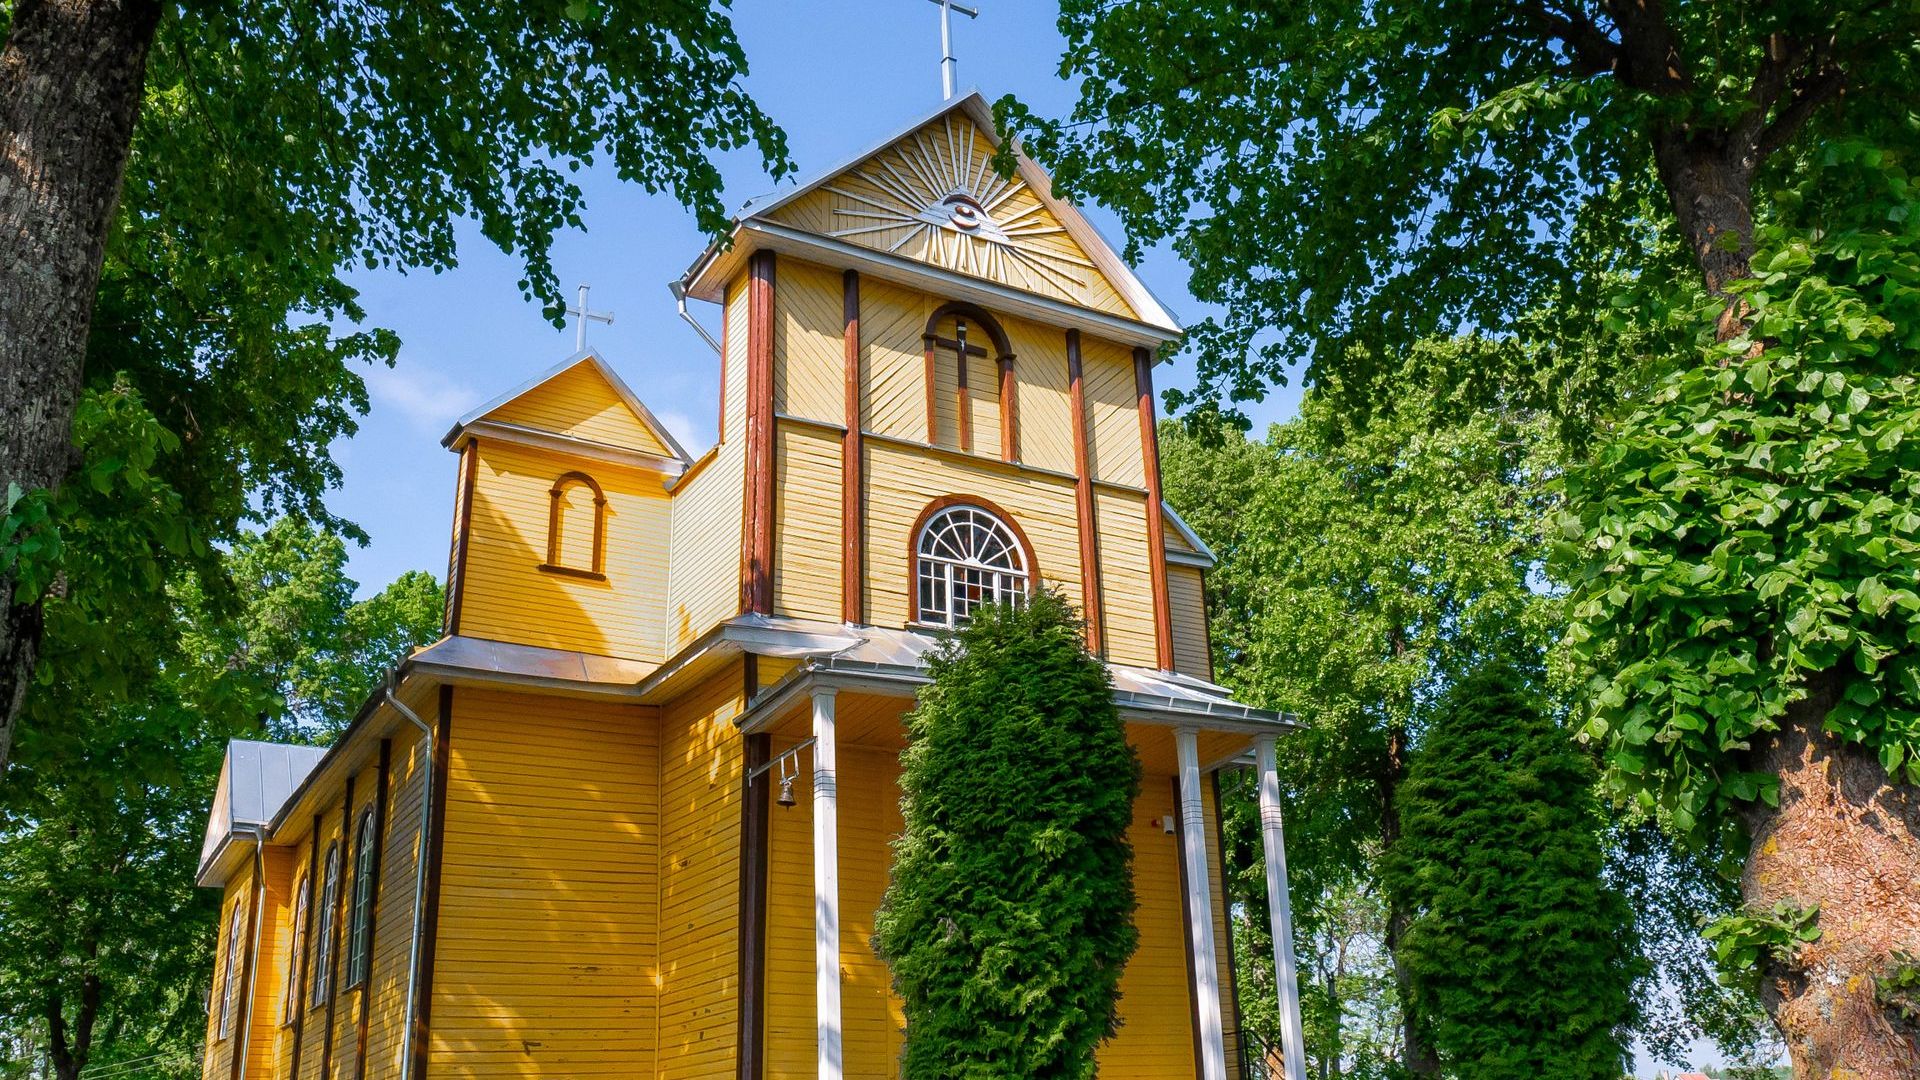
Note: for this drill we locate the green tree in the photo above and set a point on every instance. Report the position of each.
(1744, 551)
(1519, 956)
(1009, 917)
(1363, 567)
(108, 940)
(185, 186)
(1363, 174)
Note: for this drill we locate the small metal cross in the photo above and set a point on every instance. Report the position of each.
(947, 62)
(583, 313)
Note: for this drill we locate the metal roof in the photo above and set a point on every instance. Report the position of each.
(255, 781)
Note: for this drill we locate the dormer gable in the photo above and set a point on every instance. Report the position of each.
(582, 401)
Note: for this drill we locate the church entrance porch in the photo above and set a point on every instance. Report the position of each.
(821, 812)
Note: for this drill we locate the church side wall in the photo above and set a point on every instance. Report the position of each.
(806, 542)
(545, 957)
(704, 586)
(393, 917)
(809, 358)
(700, 790)
(1155, 1041)
(1186, 591)
(510, 598)
(218, 1060)
(270, 965)
(313, 1021)
(1114, 453)
(1126, 593)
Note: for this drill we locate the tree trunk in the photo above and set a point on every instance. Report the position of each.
(1845, 837)
(71, 76)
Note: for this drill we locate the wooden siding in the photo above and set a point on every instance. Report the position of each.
(1186, 591)
(892, 361)
(346, 1003)
(580, 402)
(929, 159)
(217, 1064)
(393, 918)
(270, 963)
(700, 788)
(809, 358)
(1156, 1006)
(1045, 410)
(296, 967)
(806, 545)
(900, 484)
(1113, 414)
(703, 585)
(313, 1023)
(545, 962)
(509, 598)
(1126, 594)
(870, 1016)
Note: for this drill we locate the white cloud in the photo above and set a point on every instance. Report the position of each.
(692, 436)
(429, 400)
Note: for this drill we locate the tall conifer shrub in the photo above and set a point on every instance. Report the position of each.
(1520, 957)
(1010, 912)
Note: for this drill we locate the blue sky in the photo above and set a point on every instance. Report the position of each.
(838, 77)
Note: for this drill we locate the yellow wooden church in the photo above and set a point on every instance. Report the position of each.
(630, 816)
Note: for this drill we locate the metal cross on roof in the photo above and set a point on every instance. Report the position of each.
(947, 62)
(582, 314)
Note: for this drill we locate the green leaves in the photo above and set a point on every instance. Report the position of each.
(1743, 940)
(1756, 521)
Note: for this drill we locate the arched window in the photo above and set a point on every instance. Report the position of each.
(966, 556)
(302, 900)
(577, 528)
(323, 928)
(971, 403)
(360, 920)
(230, 984)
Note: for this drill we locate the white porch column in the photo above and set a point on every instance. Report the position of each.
(1285, 972)
(826, 889)
(1193, 843)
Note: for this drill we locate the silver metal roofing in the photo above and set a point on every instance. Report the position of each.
(255, 780)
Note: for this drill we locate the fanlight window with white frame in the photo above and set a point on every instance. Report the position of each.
(966, 558)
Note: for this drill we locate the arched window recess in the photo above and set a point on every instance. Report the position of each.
(967, 553)
(971, 325)
(562, 557)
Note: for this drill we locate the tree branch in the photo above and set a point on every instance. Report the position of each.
(1594, 53)
(1812, 92)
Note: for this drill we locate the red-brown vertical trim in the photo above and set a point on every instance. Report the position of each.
(244, 1031)
(1009, 411)
(962, 396)
(933, 391)
(341, 893)
(430, 902)
(1186, 935)
(298, 965)
(756, 561)
(1156, 517)
(373, 914)
(1083, 501)
(462, 533)
(1234, 1056)
(755, 849)
(852, 464)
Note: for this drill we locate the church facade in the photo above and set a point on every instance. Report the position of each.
(630, 816)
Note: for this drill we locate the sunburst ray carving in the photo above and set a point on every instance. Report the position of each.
(938, 189)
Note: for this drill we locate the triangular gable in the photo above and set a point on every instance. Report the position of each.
(1183, 544)
(580, 398)
(931, 195)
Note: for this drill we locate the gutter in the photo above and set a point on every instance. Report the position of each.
(679, 289)
(419, 878)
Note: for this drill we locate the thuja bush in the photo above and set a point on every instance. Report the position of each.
(1520, 958)
(1010, 912)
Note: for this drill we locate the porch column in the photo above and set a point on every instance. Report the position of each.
(826, 888)
(1286, 975)
(1193, 843)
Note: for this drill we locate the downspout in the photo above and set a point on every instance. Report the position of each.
(680, 298)
(259, 833)
(419, 879)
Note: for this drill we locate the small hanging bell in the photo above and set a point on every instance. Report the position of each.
(786, 791)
